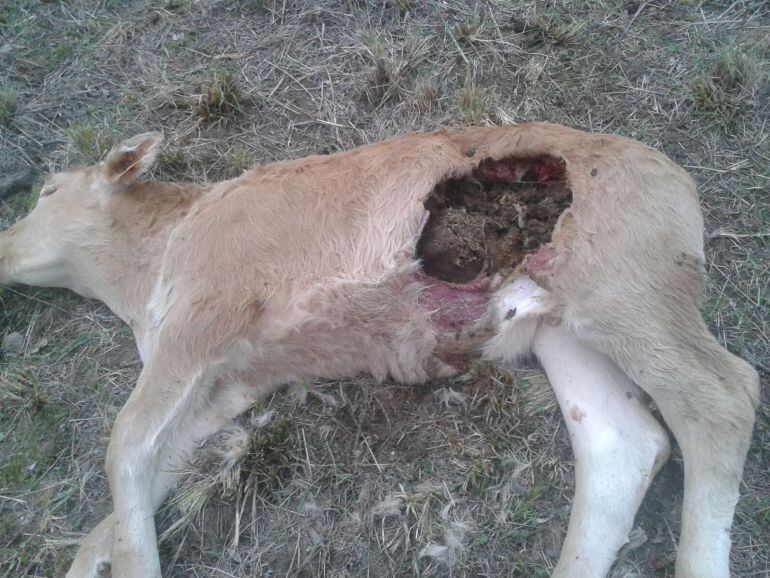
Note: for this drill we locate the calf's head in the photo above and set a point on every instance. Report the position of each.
(59, 242)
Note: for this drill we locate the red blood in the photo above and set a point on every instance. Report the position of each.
(549, 170)
(543, 169)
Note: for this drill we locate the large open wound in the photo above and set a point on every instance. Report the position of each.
(488, 221)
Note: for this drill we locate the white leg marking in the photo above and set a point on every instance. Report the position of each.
(617, 443)
(704, 546)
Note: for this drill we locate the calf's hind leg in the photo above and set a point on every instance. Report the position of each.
(708, 398)
(617, 443)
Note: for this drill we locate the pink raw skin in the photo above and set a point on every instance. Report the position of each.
(540, 266)
(457, 311)
(541, 263)
(454, 305)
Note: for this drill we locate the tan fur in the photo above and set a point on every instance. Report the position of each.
(302, 270)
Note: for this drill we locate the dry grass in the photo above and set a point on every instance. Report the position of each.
(469, 34)
(466, 478)
(473, 102)
(552, 26)
(383, 82)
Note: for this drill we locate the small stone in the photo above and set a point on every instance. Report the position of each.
(13, 343)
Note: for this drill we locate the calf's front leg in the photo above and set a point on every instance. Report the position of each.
(153, 437)
(95, 553)
(617, 443)
(149, 433)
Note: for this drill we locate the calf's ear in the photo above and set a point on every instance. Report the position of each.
(132, 158)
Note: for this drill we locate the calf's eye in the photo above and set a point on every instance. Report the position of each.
(47, 190)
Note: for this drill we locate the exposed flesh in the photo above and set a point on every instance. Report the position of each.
(481, 225)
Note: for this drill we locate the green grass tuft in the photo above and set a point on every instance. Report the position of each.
(173, 164)
(240, 161)
(425, 95)
(91, 142)
(474, 102)
(719, 91)
(9, 102)
(220, 99)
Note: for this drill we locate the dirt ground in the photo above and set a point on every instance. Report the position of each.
(467, 478)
